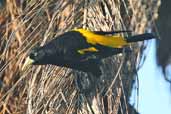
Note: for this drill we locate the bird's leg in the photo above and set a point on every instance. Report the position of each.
(90, 57)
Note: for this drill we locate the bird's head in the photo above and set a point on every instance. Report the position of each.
(35, 57)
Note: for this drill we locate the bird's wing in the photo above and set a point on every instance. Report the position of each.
(77, 46)
(114, 41)
(110, 32)
(99, 52)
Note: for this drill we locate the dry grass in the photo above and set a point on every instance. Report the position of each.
(49, 89)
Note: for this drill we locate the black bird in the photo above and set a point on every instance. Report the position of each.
(82, 49)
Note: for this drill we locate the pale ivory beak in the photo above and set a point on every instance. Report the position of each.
(27, 63)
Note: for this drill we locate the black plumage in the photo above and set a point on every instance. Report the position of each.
(81, 49)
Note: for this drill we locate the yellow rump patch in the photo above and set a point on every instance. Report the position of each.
(114, 41)
(90, 49)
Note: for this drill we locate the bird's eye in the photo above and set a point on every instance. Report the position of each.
(33, 55)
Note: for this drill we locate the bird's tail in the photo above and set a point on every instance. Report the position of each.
(140, 37)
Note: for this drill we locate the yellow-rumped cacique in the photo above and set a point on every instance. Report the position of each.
(82, 49)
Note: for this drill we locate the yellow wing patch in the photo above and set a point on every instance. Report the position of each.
(90, 49)
(114, 41)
